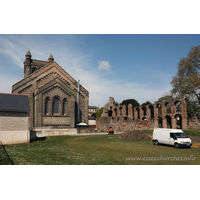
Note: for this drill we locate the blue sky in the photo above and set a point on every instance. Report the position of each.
(119, 65)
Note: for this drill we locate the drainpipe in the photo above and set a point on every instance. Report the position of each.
(27, 127)
(78, 101)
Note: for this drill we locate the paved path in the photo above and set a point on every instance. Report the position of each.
(79, 134)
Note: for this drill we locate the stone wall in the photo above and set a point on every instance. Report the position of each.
(171, 114)
(51, 81)
(44, 132)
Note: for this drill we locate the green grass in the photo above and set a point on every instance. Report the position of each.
(149, 132)
(96, 150)
(192, 132)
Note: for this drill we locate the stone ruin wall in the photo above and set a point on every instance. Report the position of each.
(169, 114)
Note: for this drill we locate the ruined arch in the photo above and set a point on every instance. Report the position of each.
(169, 121)
(189, 116)
(115, 112)
(144, 110)
(151, 108)
(144, 119)
(168, 107)
(120, 111)
(178, 106)
(138, 112)
(110, 113)
(178, 118)
(159, 107)
(160, 122)
(161, 114)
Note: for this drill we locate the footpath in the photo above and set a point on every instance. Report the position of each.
(105, 133)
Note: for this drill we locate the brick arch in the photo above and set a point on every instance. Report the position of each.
(168, 121)
(144, 110)
(151, 111)
(159, 108)
(167, 107)
(179, 121)
(178, 106)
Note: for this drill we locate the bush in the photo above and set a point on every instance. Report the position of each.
(99, 112)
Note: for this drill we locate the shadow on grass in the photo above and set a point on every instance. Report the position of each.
(38, 139)
(171, 146)
(34, 138)
(4, 157)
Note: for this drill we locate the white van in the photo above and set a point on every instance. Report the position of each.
(175, 137)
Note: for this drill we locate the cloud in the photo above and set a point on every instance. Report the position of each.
(104, 65)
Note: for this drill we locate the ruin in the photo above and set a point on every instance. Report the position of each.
(169, 114)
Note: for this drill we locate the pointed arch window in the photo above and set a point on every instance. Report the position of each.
(56, 106)
(47, 106)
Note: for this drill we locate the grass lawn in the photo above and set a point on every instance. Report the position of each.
(99, 150)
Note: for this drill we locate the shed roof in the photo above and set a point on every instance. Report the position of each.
(14, 103)
(91, 118)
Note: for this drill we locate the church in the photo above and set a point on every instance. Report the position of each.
(56, 99)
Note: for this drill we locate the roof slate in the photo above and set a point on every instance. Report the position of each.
(14, 103)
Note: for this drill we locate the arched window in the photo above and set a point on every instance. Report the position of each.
(47, 106)
(56, 106)
(64, 107)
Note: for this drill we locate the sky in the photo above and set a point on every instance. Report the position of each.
(123, 66)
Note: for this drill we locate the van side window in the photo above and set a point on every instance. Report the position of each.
(172, 135)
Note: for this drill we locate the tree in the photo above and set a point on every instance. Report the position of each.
(130, 101)
(99, 112)
(147, 103)
(94, 115)
(192, 106)
(166, 97)
(186, 83)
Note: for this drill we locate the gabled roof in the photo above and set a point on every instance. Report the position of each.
(50, 66)
(14, 103)
(91, 118)
(93, 107)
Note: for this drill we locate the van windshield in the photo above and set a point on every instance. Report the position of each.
(180, 135)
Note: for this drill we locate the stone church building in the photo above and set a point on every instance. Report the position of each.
(56, 99)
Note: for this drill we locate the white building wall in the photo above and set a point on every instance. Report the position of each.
(13, 128)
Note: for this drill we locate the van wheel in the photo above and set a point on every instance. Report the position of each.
(156, 142)
(176, 145)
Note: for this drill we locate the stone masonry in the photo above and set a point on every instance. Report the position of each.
(53, 95)
(170, 114)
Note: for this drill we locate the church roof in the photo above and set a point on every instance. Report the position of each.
(39, 62)
(14, 103)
